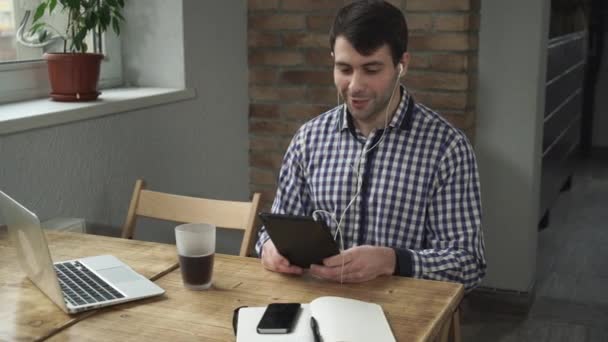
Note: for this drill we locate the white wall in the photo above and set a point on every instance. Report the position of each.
(196, 147)
(512, 64)
(600, 115)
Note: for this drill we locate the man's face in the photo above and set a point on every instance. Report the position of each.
(365, 82)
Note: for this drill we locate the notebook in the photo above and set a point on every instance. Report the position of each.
(338, 319)
(73, 285)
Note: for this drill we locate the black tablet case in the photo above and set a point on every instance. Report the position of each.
(301, 239)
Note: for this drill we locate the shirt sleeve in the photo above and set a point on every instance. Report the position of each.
(454, 249)
(292, 196)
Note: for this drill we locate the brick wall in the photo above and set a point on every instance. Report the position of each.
(290, 70)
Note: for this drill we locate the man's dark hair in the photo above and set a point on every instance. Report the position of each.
(369, 24)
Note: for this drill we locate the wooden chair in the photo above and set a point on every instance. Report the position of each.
(163, 206)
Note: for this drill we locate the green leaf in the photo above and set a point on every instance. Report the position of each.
(42, 35)
(78, 39)
(121, 3)
(116, 26)
(91, 20)
(36, 27)
(39, 12)
(74, 4)
(117, 14)
(104, 17)
(52, 5)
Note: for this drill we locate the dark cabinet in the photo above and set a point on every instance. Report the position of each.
(563, 112)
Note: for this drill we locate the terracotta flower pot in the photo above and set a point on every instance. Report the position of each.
(73, 76)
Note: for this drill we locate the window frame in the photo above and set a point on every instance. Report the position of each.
(28, 79)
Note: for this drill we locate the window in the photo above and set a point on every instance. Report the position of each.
(23, 73)
(7, 32)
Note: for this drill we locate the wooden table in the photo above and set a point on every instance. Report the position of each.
(417, 310)
(27, 314)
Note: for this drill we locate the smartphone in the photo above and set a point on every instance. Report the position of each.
(279, 318)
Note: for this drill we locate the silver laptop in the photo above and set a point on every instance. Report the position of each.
(74, 285)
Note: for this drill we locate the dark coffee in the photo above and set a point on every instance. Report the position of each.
(196, 270)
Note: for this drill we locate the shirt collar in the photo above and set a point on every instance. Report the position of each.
(401, 119)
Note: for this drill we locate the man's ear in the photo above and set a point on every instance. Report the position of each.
(404, 61)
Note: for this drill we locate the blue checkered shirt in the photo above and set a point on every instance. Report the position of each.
(419, 193)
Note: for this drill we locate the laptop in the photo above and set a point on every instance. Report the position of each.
(73, 285)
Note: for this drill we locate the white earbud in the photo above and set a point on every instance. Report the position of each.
(400, 69)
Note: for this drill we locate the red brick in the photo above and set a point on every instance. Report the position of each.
(267, 93)
(266, 160)
(262, 176)
(418, 61)
(319, 22)
(274, 127)
(306, 77)
(474, 41)
(449, 62)
(267, 195)
(264, 111)
(461, 120)
(474, 22)
(397, 3)
(293, 126)
(452, 22)
(307, 39)
(319, 57)
(302, 111)
(322, 95)
(262, 75)
(260, 39)
(268, 143)
(470, 133)
(472, 62)
(440, 101)
(475, 5)
(311, 5)
(419, 22)
(262, 4)
(437, 80)
(438, 5)
(276, 21)
(442, 42)
(272, 57)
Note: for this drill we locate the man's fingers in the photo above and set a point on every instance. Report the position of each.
(278, 263)
(338, 260)
(325, 272)
(284, 266)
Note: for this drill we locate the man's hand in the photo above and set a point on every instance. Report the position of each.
(274, 261)
(361, 263)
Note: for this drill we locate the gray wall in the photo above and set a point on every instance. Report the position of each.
(600, 117)
(512, 63)
(196, 147)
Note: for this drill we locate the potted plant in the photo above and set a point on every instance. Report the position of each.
(74, 73)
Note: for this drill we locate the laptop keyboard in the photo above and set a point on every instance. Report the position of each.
(80, 286)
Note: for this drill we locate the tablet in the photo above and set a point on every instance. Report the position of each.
(300, 239)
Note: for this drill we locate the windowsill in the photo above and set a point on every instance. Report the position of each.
(26, 115)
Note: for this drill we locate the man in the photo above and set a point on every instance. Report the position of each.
(399, 181)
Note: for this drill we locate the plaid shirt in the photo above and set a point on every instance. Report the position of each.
(419, 193)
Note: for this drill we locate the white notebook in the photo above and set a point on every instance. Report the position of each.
(338, 319)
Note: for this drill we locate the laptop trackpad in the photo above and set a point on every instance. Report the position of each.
(118, 275)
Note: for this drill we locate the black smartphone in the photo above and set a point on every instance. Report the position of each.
(279, 318)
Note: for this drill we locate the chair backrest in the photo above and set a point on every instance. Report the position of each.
(163, 206)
